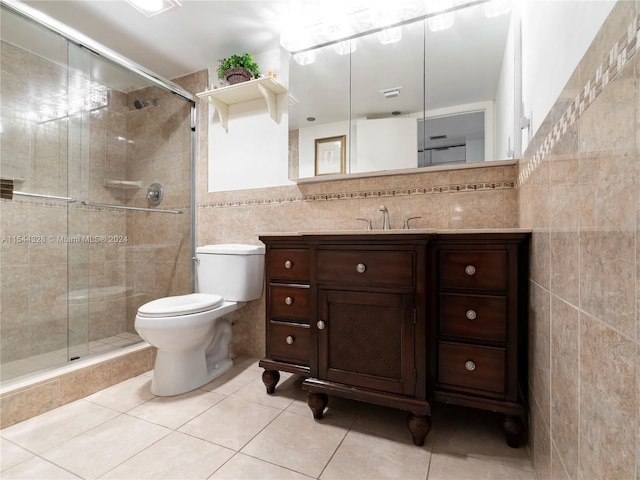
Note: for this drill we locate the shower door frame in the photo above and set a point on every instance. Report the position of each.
(85, 43)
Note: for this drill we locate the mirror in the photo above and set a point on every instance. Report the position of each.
(432, 98)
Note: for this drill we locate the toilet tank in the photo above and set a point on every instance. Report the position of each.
(233, 271)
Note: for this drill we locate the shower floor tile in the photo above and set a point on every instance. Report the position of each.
(59, 358)
(230, 429)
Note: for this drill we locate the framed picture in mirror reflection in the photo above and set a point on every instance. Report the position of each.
(330, 155)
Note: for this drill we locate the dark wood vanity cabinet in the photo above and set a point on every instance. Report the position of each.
(479, 324)
(400, 319)
(288, 309)
(371, 328)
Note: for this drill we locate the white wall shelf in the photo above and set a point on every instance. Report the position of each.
(123, 184)
(222, 98)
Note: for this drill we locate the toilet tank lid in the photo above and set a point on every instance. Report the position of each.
(232, 249)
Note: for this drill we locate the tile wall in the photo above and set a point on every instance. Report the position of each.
(578, 191)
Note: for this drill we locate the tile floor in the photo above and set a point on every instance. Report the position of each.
(231, 429)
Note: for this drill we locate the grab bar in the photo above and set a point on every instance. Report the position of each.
(50, 197)
(123, 207)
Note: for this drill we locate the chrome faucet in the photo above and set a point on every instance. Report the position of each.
(385, 217)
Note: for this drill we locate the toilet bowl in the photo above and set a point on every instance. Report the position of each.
(192, 332)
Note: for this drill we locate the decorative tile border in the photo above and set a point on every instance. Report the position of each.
(319, 197)
(611, 66)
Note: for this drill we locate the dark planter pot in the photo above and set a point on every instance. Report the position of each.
(237, 75)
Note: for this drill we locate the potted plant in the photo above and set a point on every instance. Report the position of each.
(238, 68)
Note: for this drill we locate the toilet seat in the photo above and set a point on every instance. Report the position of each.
(180, 305)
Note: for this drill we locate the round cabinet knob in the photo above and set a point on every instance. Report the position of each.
(469, 365)
(288, 264)
(361, 268)
(290, 340)
(320, 325)
(288, 300)
(470, 270)
(471, 314)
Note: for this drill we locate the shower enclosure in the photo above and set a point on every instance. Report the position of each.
(96, 163)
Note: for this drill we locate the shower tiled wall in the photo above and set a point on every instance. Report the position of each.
(578, 191)
(156, 260)
(72, 155)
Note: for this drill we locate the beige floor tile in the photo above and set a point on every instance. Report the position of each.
(232, 381)
(37, 469)
(231, 422)
(339, 411)
(176, 456)
(477, 434)
(11, 454)
(450, 466)
(125, 395)
(56, 426)
(354, 459)
(287, 390)
(103, 448)
(248, 363)
(386, 422)
(244, 467)
(298, 443)
(173, 412)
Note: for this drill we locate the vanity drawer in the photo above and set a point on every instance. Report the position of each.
(480, 317)
(470, 366)
(373, 268)
(289, 264)
(289, 342)
(289, 301)
(473, 269)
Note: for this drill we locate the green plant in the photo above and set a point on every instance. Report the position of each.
(245, 60)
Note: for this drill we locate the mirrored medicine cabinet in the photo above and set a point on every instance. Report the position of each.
(433, 98)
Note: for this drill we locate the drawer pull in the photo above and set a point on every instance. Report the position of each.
(470, 270)
(320, 325)
(288, 300)
(469, 365)
(361, 268)
(290, 340)
(288, 264)
(471, 314)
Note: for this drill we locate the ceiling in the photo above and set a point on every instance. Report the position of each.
(179, 41)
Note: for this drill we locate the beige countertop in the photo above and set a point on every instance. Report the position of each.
(398, 231)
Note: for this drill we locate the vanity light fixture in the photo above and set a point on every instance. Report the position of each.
(305, 58)
(443, 20)
(348, 46)
(390, 35)
(153, 7)
(321, 23)
(495, 8)
(384, 14)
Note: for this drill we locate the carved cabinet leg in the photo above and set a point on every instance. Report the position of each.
(513, 429)
(270, 379)
(419, 426)
(317, 403)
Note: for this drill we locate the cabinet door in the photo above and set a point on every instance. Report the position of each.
(366, 339)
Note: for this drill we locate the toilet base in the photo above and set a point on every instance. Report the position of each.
(180, 372)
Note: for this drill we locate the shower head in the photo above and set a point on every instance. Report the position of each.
(145, 103)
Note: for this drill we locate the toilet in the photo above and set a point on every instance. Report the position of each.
(192, 332)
